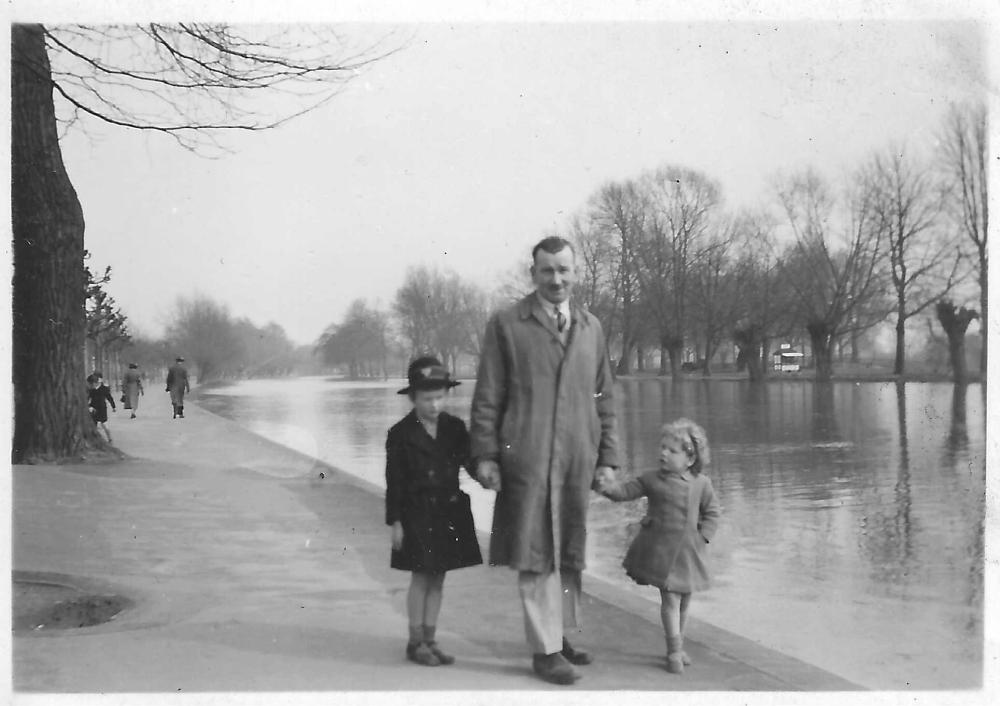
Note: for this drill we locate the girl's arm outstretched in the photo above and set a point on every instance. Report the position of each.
(620, 491)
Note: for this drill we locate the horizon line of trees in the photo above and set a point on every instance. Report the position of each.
(668, 269)
(215, 344)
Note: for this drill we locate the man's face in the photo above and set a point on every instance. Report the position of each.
(554, 274)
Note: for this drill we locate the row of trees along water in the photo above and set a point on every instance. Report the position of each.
(671, 273)
(192, 82)
(215, 344)
(663, 264)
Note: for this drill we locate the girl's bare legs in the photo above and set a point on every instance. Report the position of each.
(670, 614)
(432, 608)
(685, 602)
(416, 600)
(107, 432)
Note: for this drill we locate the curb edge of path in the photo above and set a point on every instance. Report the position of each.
(795, 673)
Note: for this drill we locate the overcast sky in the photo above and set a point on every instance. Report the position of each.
(462, 149)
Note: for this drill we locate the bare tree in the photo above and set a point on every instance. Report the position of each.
(964, 148)
(189, 81)
(360, 342)
(765, 305)
(906, 205)
(679, 204)
(440, 313)
(716, 292)
(203, 331)
(834, 268)
(616, 209)
(595, 265)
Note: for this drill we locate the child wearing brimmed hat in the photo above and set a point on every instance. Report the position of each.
(432, 527)
(681, 518)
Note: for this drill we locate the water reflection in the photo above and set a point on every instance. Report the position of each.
(851, 512)
(824, 415)
(958, 433)
(889, 532)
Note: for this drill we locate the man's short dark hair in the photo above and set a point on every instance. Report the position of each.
(551, 245)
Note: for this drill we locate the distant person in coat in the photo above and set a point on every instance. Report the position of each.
(132, 388)
(177, 385)
(543, 424)
(98, 397)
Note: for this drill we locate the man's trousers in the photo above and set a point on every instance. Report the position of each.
(551, 602)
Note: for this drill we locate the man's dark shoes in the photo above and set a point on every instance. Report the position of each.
(554, 668)
(578, 657)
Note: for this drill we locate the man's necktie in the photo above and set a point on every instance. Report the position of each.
(560, 320)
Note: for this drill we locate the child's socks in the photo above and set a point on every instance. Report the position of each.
(675, 651)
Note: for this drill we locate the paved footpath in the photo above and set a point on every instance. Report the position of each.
(249, 572)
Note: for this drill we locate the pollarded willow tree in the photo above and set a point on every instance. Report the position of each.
(835, 265)
(191, 82)
(965, 155)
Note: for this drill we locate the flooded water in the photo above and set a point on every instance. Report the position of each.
(853, 514)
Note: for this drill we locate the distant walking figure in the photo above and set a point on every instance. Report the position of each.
(177, 385)
(132, 386)
(681, 517)
(98, 397)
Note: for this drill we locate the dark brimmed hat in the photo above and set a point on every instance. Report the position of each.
(427, 373)
(180, 359)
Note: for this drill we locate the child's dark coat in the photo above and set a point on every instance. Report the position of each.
(422, 492)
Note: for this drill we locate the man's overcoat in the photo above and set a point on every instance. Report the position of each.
(545, 411)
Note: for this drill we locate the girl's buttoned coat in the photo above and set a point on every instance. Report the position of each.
(681, 519)
(422, 493)
(544, 409)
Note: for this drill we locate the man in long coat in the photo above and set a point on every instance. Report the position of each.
(177, 385)
(543, 422)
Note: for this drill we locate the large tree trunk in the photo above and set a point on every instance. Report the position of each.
(983, 319)
(664, 360)
(624, 366)
(822, 347)
(49, 283)
(706, 368)
(640, 359)
(753, 353)
(899, 365)
(675, 347)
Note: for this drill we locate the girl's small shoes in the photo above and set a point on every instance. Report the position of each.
(675, 654)
(685, 659)
(443, 657)
(675, 663)
(421, 653)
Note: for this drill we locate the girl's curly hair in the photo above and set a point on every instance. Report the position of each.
(692, 439)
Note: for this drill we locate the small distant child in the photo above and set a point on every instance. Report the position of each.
(681, 519)
(98, 397)
(432, 526)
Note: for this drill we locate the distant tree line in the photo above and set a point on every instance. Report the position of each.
(672, 273)
(434, 312)
(666, 267)
(215, 345)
